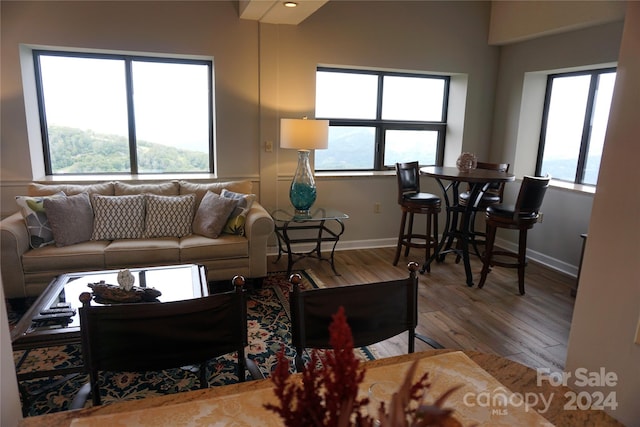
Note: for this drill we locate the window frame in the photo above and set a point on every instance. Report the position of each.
(381, 126)
(586, 128)
(128, 60)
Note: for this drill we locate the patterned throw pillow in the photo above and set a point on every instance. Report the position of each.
(118, 217)
(169, 216)
(212, 214)
(32, 208)
(235, 223)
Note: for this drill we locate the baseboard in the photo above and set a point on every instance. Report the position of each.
(540, 258)
(345, 245)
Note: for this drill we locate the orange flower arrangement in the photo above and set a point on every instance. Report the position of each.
(327, 395)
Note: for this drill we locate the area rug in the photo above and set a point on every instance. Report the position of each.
(269, 329)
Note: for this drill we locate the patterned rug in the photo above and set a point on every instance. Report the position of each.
(269, 328)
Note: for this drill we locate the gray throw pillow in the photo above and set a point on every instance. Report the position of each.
(71, 218)
(212, 214)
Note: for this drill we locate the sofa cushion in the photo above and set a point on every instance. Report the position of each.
(171, 188)
(104, 188)
(138, 252)
(212, 214)
(235, 223)
(200, 189)
(35, 216)
(118, 217)
(168, 216)
(82, 256)
(71, 218)
(197, 248)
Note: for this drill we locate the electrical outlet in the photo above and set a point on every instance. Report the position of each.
(540, 216)
(268, 146)
(376, 207)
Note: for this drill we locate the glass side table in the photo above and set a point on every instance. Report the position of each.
(321, 225)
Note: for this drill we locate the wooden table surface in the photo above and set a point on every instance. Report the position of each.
(516, 377)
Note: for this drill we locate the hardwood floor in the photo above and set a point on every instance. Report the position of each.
(532, 329)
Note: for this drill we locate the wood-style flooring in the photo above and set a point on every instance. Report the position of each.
(532, 329)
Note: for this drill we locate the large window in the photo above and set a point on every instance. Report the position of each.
(380, 118)
(574, 124)
(124, 114)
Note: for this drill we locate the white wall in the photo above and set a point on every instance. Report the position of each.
(607, 308)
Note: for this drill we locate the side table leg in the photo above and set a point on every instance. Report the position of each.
(335, 243)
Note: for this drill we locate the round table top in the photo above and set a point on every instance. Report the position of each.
(474, 175)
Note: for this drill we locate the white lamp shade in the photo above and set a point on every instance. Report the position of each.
(304, 134)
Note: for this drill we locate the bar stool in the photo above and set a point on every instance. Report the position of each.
(522, 217)
(412, 201)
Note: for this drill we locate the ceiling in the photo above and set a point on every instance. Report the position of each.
(275, 12)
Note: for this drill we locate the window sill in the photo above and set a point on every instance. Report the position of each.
(353, 174)
(589, 189)
(125, 177)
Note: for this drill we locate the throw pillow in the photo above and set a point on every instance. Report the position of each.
(200, 189)
(169, 216)
(118, 217)
(212, 214)
(33, 211)
(237, 219)
(71, 218)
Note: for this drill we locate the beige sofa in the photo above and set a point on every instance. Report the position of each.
(26, 271)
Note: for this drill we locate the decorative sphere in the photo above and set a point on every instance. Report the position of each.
(466, 162)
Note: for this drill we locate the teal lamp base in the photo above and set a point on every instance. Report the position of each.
(303, 187)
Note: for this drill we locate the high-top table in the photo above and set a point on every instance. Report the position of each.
(449, 180)
(486, 379)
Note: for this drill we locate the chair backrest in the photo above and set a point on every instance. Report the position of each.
(531, 195)
(408, 177)
(155, 336)
(496, 188)
(374, 311)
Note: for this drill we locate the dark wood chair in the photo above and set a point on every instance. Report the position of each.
(154, 336)
(375, 312)
(412, 201)
(492, 196)
(522, 216)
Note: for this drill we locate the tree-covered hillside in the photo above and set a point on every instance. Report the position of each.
(78, 151)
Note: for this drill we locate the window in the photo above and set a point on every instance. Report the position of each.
(574, 122)
(379, 118)
(103, 113)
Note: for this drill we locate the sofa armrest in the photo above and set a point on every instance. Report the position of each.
(14, 241)
(258, 227)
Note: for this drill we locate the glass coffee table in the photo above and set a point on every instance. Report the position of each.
(37, 328)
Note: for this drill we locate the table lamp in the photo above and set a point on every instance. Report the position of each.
(303, 135)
